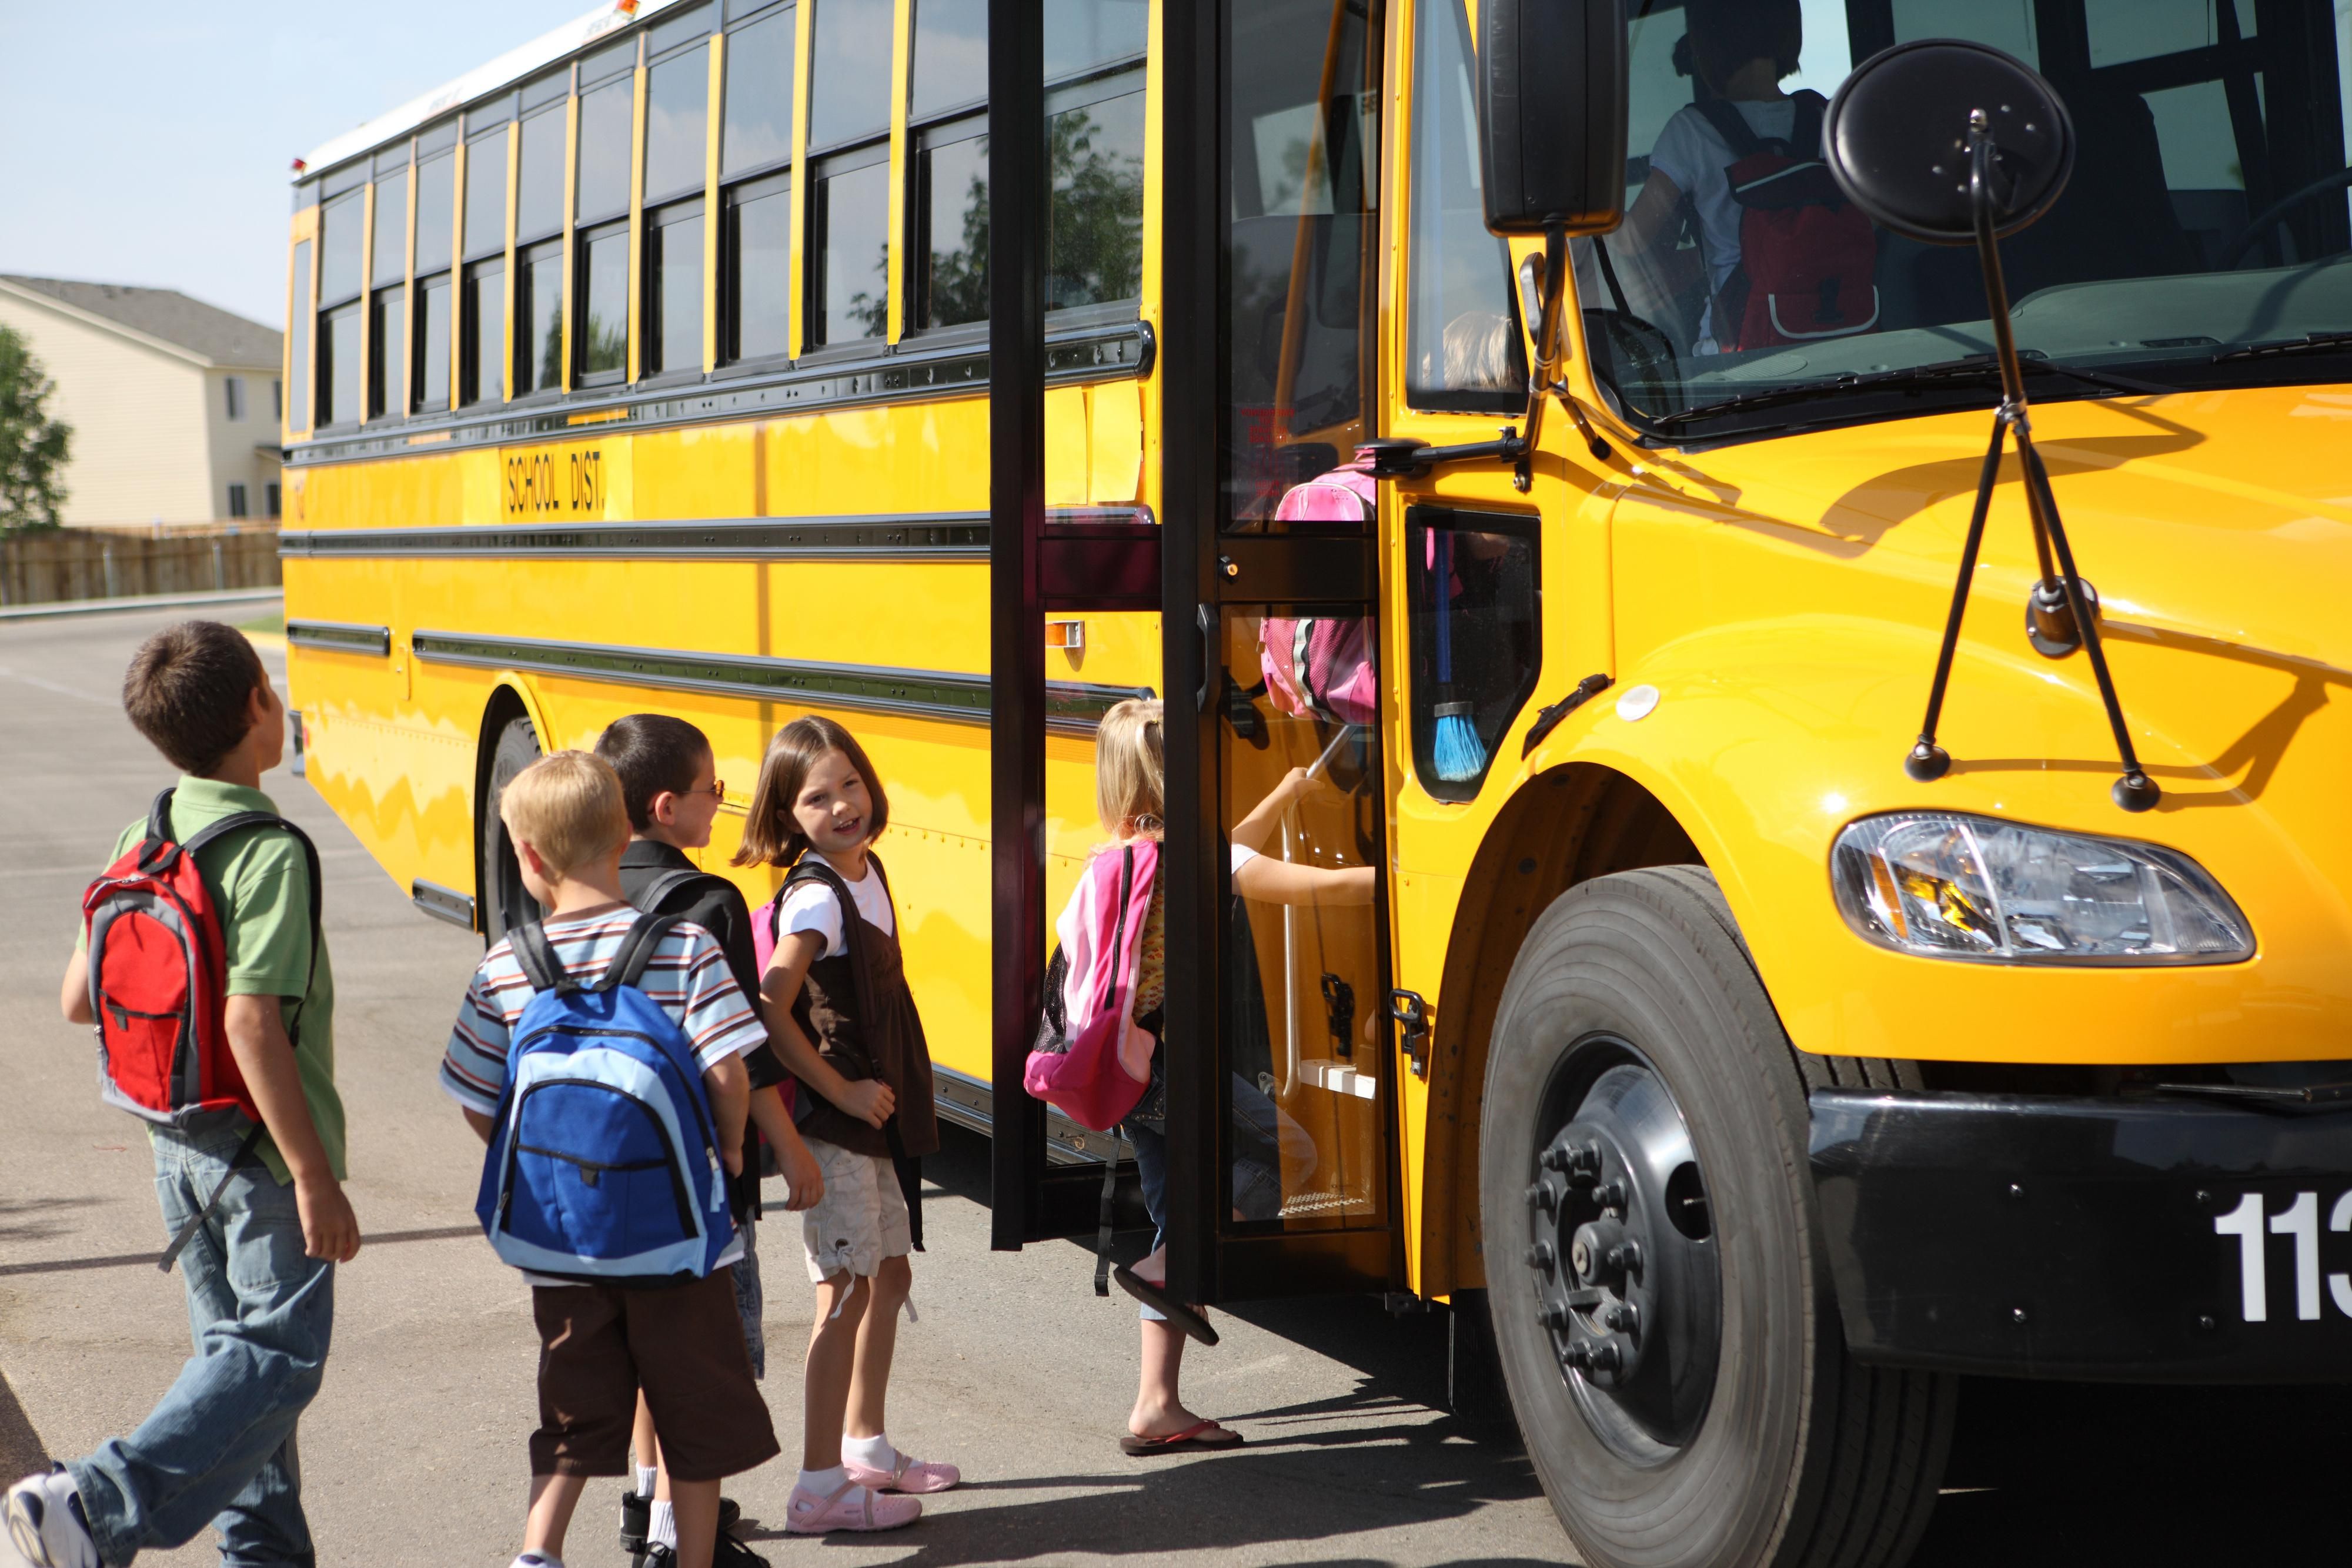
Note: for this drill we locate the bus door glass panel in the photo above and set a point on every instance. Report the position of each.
(1304, 118)
(1308, 1090)
(1308, 1084)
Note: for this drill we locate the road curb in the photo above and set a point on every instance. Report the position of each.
(145, 601)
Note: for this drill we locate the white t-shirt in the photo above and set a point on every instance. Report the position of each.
(1693, 153)
(1242, 856)
(812, 906)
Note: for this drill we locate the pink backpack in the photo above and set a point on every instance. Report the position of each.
(764, 924)
(1092, 1060)
(1323, 666)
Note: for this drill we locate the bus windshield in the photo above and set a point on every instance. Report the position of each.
(2204, 239)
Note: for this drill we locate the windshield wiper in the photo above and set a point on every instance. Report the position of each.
(2311, 343)
(1923, 378)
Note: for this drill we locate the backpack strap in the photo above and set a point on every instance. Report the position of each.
(657, 893)
(156, 851)
(1805, 135)
(237, 822)
(812, 867)
(628, 966)
(1731, 125)
(536, 954)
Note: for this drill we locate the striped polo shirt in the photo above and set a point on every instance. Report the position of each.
(687, 976)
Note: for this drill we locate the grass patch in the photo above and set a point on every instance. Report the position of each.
(274, 623)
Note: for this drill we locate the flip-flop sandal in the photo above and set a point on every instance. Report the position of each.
(1201, 1435)
(1186, 1318)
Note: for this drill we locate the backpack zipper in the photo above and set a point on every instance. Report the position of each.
(678, 1193)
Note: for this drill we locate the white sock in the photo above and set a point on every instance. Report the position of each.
(823, 1483)
(536, 1560)
(646, 1476)
(874, 1453)
(664, 1527)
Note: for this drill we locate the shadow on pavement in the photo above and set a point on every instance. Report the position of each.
(2074, 1476)
(1336, 1485)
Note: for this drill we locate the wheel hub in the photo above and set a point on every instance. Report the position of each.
(1622, 1263)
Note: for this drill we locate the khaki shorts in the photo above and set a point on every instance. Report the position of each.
(861, 1219)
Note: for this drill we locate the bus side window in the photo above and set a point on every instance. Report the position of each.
(848, 258)
(599, 310)
(755, 156)
(1474, 639)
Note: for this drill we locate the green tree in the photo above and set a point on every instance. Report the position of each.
(33, 446)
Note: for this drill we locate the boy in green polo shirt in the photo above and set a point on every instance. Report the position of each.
(259, 1273)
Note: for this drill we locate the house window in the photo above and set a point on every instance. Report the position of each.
(236, 500)
(233, 387)
(269, 494)
(278, 400)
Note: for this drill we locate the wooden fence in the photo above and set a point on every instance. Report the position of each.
(90, 563)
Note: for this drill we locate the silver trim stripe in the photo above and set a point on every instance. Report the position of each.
(442, 903)
(952, 697)
(895, 537)
(339, 636)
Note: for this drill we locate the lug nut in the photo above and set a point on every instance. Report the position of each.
(1624, 1317)
(1539, 1255)
(1624, 1258)
(1585, 1157)
(1553, 1315)
(1555, 1158)
(1544, 1196)
(1606, 1356)
(1611, 1195)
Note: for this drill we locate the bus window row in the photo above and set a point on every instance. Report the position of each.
(441, 276)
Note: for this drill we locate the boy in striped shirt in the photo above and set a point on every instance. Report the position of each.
(600, 1343)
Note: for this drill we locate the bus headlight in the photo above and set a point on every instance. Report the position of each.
(1946, 885)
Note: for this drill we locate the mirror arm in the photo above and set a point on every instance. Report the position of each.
(2062, 610)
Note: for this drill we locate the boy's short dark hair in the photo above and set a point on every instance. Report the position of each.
(652, 752)
(187, 692)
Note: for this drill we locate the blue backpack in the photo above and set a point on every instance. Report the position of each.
(604, 1163)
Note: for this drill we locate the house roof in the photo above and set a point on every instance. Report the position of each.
(197, 330)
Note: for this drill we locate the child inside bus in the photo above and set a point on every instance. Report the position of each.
(1740, 51)
(669, 783)
(843, 1019)
(1130, 784)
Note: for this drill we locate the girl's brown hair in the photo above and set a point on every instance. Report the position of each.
(1132, 769)
(771, 837)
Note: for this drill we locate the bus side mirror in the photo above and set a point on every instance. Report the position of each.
(1551, 108)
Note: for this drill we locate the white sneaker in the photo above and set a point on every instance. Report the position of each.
(46, 1524)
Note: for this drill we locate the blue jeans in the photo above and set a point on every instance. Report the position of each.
(1261, 1132)
(220, 1445)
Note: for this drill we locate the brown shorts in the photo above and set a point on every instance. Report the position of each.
(683, 1346)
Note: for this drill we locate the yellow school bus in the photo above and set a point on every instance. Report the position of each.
(1559, 428)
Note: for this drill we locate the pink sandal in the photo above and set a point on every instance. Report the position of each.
(852, 1506)
(910, 1474)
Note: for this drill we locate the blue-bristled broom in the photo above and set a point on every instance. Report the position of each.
(1459, 755)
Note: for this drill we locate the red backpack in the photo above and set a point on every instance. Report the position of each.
(1808, 257)
(159, 979)
(158, 985)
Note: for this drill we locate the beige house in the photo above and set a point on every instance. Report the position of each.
(174, 403)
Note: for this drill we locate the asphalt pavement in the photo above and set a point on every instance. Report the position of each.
(413, 1452)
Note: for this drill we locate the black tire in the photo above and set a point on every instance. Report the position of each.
(505, 902)
(1794, 1456)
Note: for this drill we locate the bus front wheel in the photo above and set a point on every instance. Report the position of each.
(1666, 1323)
(505, 902)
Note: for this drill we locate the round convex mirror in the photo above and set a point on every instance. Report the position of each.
(1896, 139)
